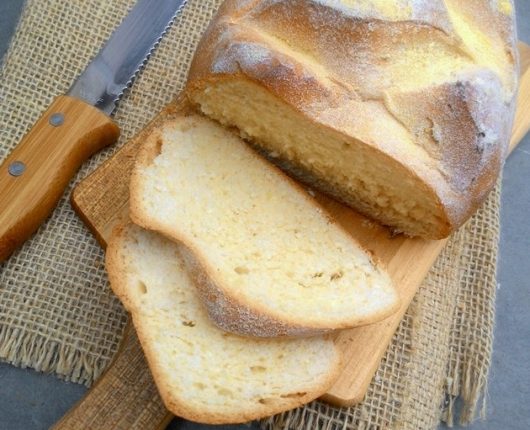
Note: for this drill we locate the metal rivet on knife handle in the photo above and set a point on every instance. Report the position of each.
(57, 119)
(76, 125)
(16, 168)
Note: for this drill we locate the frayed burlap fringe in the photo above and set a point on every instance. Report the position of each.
(58, 315)
(68, 362)
(472, 322)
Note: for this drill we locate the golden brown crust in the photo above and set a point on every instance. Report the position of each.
(119, 278)
(459, 121)
(231, 313)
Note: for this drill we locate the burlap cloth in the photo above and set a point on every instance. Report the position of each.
(57, 313)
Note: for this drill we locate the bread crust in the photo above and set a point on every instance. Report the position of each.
(278, 46)
(227, 310)
(178, 405)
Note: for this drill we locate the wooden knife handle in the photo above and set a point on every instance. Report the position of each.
(35, 175)
(124, 397)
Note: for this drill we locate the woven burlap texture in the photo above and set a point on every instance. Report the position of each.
(57, 313)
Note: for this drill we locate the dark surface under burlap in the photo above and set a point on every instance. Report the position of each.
(57, 313)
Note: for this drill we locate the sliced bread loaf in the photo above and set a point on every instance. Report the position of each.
(204, 374)
(401, 109)
(268, 261)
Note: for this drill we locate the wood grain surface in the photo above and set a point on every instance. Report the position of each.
(124, 397)
(101, 200)
(51, 155)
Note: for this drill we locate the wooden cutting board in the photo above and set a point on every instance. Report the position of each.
(125, 396)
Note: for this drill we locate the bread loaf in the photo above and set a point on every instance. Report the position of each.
(267, 260)
(401, 109)
(204, 374)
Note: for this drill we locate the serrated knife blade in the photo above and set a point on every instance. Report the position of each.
(117, 64)
(35, 174)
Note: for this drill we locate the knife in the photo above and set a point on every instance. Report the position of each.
(76, 125)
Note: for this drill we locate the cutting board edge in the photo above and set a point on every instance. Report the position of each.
(346, 401)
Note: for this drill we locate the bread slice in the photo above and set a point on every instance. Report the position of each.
(268, 261)
(204, 374)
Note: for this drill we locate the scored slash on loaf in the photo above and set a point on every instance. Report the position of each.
(268, 260)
